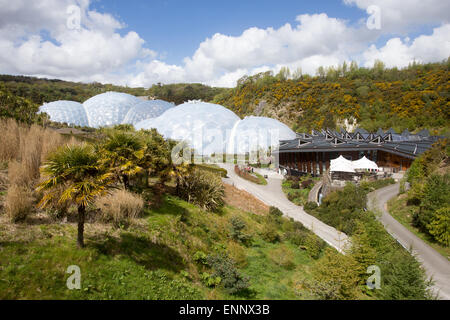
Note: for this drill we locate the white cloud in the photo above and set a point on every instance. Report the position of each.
(398, 16)
(425, 48)
(92, 49)
(98, 52)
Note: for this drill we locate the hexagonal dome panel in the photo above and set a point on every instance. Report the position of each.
(206, 126)
(256, 133)
(145, 110)
(70, 112)
(109, 108)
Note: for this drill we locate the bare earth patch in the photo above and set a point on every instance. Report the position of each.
(243, 200)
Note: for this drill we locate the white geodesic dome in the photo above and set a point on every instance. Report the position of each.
(71, 112)
(205, 126)
(145, 110)
(109, 108)
(257, 133)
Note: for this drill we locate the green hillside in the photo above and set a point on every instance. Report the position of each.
(412, 98)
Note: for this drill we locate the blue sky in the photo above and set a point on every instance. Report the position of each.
(176, 27)
(140, 43)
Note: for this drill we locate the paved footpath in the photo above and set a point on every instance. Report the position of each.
(272, 195)
(435, 265)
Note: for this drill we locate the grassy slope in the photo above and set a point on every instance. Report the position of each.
(150, 260)
(403, 213)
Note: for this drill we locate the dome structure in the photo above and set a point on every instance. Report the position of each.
(109, 108)
(70, 112)
(146, 109)
(206, 126)
(256, 133)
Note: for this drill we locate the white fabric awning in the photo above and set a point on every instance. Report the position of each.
(341, 165)
(364, 163)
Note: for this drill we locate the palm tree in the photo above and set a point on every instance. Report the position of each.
(75, 169)
(122, 152)
(157, 158)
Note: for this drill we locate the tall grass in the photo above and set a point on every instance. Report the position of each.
(25, 148)
(9, 140)
(18, 203)
(120, 207)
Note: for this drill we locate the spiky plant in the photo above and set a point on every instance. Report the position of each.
(75, 168)
(157, 157)
(202, 188)
(122, 152)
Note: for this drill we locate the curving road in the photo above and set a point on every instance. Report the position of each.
(272, 195)
(435, 265)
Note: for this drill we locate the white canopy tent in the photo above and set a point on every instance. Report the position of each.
(341, 165)
(364, 164)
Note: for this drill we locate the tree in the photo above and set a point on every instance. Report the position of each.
(298, 74)
(157, 157)
(321, 72)
(336, 271)
(122, 152)
(284, 74)
(77, 170)
(439, 226)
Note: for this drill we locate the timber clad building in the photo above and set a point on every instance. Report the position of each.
(311, 153)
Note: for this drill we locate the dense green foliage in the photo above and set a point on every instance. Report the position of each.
(430, 192)
(414, 97)
(411, 98)
(297, 188)
(371, 245)
(182, 92)
(40, 90)
(19, 108)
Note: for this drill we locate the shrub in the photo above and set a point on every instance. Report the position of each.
(291, 196)
(270, 233)
(310, 206)
(337, 272)
(247, 176)
(314, 245)
(403, 278)
(274, 211)
(120, 207)
(231, 279)
(210, 280)
(237, 226)
(307, 183)
(18, 203)
(200, 257)
(439, 226)
(296, 237)
(282, 256)
(295, 185)
(202, 188)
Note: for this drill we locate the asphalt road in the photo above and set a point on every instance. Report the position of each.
(272, 195)
(436, 266)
